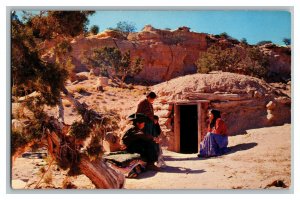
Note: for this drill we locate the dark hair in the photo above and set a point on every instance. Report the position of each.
(155, 117)
(152, 95)
(216, 114)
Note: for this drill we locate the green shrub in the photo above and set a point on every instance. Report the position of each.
(249, 61)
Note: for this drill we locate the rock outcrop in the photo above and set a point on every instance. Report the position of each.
(280, 60)
(166, 54)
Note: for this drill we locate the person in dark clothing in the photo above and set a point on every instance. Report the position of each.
(136, 141)
(145, 107)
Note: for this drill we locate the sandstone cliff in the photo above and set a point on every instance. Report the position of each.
(167, 53)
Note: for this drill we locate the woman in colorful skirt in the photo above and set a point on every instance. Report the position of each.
(216, 140)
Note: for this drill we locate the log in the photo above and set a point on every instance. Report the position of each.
(212, 96)
(101, 175)
(228, 104)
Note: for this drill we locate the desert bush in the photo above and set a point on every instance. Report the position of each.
(124, 28)
(94, 29)
(264, 42)
(249, 61)
(112, 58)
(80, 89)
(287, 41)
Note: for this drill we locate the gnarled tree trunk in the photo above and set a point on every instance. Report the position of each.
(97, 171)
(101, 174)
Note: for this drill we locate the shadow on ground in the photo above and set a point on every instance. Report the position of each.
(241, 147)
(232, 149)
(170, 169)
(170, 158)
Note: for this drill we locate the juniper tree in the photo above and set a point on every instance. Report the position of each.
(112, 58)
(30, 73)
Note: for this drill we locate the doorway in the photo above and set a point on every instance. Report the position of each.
(188, 129)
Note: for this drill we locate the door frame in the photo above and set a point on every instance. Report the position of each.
(201, 106)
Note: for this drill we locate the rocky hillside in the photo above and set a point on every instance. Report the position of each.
(166, 53)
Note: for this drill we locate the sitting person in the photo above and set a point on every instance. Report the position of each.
(216, 140)
(136, 141)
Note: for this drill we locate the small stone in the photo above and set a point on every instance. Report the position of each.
(18, 184)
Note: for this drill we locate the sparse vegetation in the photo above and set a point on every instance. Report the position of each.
(244, 41)
(249, 61)
(80, 89)
(112, 58)
(263, 42)
(287, 41)
(94, 29)
(125, 27)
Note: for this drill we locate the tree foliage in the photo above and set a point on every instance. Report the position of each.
(287, 41)
(264, 42)
(50, 24)
(94, 29)
(125, 27)
(30, 73)
(46, 79)
(244, 41)
(249, 61)
(111, 58)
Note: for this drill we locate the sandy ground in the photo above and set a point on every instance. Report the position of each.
(261, 158)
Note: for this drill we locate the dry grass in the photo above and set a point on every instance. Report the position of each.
(79, 89)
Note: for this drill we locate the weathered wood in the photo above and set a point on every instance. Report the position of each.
(177, 128)
(204, 110)
(199, 111)
(227, 104)
(212, 96)
(101, 175)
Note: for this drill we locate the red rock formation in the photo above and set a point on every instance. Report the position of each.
(166, 53)
(280, 59)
